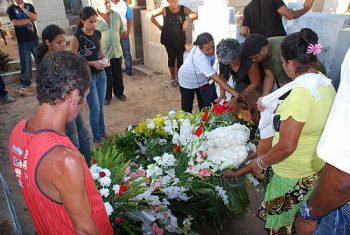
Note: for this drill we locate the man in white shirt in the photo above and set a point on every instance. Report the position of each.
(327, 211)
(126, 14)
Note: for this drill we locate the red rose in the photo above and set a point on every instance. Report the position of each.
(102, 174)
(220, 109)
(177, 148)
(118, 220)
(122, 189)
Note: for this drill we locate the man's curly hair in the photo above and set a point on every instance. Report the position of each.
(60, 73)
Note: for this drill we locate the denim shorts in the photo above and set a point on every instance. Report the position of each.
(336, 222)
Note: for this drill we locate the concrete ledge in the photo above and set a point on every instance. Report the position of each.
(11, 78)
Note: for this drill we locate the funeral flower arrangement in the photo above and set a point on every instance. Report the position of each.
(163, 176)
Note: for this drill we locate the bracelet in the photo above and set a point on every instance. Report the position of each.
(260, 163)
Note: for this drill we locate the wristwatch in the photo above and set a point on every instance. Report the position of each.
(305, 212)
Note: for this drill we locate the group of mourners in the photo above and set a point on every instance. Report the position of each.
(296, 99)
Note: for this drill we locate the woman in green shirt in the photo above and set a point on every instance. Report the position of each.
(299, 121)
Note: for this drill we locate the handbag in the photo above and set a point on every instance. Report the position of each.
(207, 91)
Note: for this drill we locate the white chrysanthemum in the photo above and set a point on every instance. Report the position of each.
(95, 169)
(151, 125)
(222, 193)
(225, 146)
(172, 114)
(186, 133)
(170, 172)
(105, 181)
(175, 126)
(165, 180)
(104, 192)
(95, 176)
(165, 160)
(109, 208)
(152, 200)
(153, 169)
(175, 192)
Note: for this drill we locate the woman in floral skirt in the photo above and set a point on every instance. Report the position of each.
(298, 124)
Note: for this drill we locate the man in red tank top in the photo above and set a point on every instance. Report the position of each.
(56, 183)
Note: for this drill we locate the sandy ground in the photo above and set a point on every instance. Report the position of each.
(147, 95)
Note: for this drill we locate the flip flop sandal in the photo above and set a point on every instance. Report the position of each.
(173, 83)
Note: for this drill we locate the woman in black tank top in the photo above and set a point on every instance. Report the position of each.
(173, 37)
(86, 42)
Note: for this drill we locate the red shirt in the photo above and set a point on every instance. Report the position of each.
(27, 149)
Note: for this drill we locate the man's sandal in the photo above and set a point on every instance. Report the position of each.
(173, 83)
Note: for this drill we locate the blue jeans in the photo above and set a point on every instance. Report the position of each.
(79, 135)
(95, 100)
(25, 49)
(125, 43)
(336, 222)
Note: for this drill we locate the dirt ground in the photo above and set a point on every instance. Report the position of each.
(147, 95)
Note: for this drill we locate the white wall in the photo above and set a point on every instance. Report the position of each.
(50, 12)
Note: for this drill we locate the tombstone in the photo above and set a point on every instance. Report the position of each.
(219, 19)
(335, 6)
(50, 12)
(328, 28)
(154, 53)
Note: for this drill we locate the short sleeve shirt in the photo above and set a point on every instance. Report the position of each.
(196, 69)
(261, 17)
(302, 106)
(124, 10)
(111, 32)
(274, 63)
(24, 33)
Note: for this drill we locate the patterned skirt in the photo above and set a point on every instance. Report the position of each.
(283, 197)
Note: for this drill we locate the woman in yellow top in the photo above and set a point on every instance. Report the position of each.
(299, 121)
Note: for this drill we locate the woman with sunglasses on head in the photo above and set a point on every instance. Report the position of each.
(245, 74)
(298, 124)
(53, 39)
(197, 71)
(87, 43)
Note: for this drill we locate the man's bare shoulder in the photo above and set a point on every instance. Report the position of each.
(63, 162)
